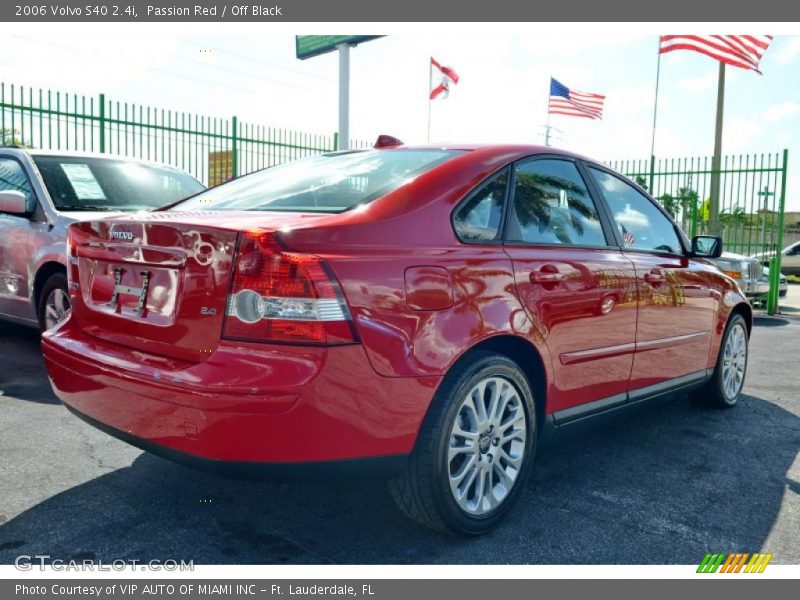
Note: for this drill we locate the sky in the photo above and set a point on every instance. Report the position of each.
(501, 95)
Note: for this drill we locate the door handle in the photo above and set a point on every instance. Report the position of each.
(547, 274)
(655, 277)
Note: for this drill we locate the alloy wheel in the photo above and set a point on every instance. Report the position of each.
(487, 445)
(734, 361)
(56, 307)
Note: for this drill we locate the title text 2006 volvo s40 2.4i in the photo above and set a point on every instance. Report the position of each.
(429, 312)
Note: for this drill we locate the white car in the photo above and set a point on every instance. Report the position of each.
(790, 259)
(41, 193)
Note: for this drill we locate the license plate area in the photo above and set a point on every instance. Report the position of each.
(135, 291)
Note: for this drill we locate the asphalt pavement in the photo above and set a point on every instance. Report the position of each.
(665, 485)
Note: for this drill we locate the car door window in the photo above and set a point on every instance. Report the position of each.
(13, 177)
(552, 205)
(642, 226)
(481, 216)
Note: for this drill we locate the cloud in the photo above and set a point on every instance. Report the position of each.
(700, 83)
(793, 193)
(788, 50)
(780, 112)
(739, 135)
(635, 98)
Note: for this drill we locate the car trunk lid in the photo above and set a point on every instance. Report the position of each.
(158, 282)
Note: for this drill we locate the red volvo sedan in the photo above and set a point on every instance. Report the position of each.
(429, 313)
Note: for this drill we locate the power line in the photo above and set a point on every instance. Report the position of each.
(243, 73)
(155, 69)
(258, 60)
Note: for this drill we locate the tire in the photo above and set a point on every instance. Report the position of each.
(424, 490)
(716, 392)
(53, 301)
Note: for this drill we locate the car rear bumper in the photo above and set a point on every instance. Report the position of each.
(314, 405)
(356, 468)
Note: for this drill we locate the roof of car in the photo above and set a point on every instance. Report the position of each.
(520, 149)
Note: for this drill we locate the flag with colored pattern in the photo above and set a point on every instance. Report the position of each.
(743, 51)
(441, 79)
(572, 103)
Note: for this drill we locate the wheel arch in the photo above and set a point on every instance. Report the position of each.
(744, 309)
(45, 271)
(526, 356)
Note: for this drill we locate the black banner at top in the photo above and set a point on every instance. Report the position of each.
(708, 11)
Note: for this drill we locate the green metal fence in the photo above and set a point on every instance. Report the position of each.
(752, 198)
(211, 148)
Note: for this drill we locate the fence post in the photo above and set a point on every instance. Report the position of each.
(652, 174)
(235, 146)
(775, 277)
(102, 119)
(335, 141)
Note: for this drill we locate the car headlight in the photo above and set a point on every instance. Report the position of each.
(732, 269)
(744, 269)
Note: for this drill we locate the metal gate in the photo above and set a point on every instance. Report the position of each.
(752, 198)
(212, 149)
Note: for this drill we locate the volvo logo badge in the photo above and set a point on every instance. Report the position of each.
(122, 235)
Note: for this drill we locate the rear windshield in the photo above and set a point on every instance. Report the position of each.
(103, 184)
(327, 183)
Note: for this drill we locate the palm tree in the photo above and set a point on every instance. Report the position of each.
(533, 197)
(670, 204)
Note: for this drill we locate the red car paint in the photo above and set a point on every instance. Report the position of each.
(601, 322)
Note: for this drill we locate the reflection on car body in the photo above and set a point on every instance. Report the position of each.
(429, 313)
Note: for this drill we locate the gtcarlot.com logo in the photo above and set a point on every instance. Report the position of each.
(26, 562)
(740, 562)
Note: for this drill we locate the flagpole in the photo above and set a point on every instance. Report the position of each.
(547, 119)
(655, 103)
(430, 86)
(655, 117)
(716, 161)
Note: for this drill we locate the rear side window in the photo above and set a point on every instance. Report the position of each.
(480, 217)
(327, 183)
(641, 225)
(551, 205)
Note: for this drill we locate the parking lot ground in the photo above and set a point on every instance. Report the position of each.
(665, 485)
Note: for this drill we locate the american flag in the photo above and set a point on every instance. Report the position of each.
(627, 237)
(744, 51)
(564, 101)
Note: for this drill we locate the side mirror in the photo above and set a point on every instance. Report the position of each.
(13, 202)
(706, 246)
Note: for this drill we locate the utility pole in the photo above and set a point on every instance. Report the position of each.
(716, 161)
(344, 96)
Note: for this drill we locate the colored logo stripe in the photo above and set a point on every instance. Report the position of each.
(733, 563)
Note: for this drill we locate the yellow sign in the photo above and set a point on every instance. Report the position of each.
(220, 167)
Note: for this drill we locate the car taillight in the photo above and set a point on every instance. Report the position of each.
(285, 297)
(72, 261)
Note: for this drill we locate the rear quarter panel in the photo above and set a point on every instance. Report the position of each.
(370, 251)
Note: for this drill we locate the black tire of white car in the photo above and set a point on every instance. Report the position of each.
(497, 449)
(57, 282)
(715, 391)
